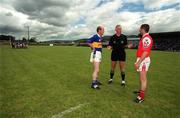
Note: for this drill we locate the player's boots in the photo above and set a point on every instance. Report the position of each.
(123, 83)
(110, 81)
(95, 86)
(139, 99)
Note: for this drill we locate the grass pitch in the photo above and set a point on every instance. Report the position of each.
(46, 82)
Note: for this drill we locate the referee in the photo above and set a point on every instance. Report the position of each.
(117, 43)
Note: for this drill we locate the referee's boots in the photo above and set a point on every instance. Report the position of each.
(110, 81)
(123, 83)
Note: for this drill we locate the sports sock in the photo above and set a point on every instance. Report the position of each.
(123, 76)
(141, 94)
(111, 74)
(94, 81)
(97, 81)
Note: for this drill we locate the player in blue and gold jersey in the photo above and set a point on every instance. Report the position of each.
(95, 42)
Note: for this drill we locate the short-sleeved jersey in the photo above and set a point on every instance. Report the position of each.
(145, 44)
(96, 42)
(118, 43)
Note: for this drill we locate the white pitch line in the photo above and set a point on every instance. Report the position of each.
(71, 109)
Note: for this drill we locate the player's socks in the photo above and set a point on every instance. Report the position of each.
(140, 97)
(94, 81)
(111, 77)
(123, 78)
(141, 94)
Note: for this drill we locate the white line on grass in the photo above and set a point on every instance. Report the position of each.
(71, 109)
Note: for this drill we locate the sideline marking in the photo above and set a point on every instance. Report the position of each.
(71, 109)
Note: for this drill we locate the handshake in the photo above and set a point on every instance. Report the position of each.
(128, 46)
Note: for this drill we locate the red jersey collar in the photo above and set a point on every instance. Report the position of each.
(145, 34)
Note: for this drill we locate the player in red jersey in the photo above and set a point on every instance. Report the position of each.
(143, 60)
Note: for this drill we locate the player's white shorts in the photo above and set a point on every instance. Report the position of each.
(95, 57)
(144, 66)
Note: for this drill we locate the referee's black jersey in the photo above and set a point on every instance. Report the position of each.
(118, 43)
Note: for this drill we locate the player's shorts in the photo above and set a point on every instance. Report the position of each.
(95, 56)
(144, 66)
(118, 56)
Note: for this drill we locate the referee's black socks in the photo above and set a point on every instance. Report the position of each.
(123, 76)
(111, 74)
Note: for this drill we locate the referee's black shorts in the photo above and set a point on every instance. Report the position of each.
(118, 56)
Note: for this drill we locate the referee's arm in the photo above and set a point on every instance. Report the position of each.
(110, 43)
(126, 43)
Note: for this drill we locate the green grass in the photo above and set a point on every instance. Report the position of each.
(40, 82)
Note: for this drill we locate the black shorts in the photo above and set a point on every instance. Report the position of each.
(118, 56)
